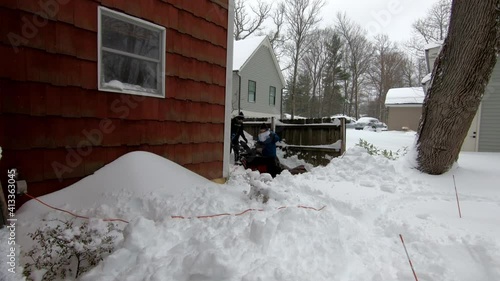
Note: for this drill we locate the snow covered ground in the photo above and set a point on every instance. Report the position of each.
(362, 203)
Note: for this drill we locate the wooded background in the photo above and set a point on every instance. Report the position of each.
(339, 69)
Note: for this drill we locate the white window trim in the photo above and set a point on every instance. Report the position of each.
(143, 24)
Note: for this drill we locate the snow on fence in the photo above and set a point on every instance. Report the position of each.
(316, 141)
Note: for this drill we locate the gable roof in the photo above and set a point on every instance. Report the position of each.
(413, 95)
(244, 50)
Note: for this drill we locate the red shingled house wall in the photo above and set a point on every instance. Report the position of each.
(50, 102)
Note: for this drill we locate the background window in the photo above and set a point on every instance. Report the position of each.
(131, 55)
(272, 95)
(251, 90)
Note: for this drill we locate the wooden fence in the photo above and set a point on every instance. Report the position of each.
(316, 141)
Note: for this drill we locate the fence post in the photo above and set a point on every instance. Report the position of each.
(343, 135)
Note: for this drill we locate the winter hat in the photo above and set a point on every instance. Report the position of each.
(264, 126)
(241, 115)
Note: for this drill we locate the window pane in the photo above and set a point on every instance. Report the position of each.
(272, 95)
(127, 37)
(251, 90)
(130, 72)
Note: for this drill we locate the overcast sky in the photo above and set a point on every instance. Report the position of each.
(392, 17)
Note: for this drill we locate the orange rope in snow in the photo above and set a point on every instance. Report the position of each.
(174, 217)
(244, 212)
(408, 256)
(68, 212)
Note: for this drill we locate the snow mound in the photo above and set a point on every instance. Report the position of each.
(136, 184)
(134, 173)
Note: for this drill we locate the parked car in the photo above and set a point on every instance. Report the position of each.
(370, 123)
(350, 122)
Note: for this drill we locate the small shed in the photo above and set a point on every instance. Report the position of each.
(404, 107)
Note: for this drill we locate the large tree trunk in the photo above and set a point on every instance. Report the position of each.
(460, 76)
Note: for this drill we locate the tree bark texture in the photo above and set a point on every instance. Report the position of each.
(460, 76)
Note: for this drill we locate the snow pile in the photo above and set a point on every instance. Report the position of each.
(339, 222)
(276, 244)
(115, 84)
(136, 181)
(410, 95)
(121, 86)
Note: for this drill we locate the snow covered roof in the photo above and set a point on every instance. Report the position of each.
(426, 78)
(244, 49)
(289, 116)
(414, 95)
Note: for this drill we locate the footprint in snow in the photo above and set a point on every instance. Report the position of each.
(423, 216)
(367, 183)
(388, 187)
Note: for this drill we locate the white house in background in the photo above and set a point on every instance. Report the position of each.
(257, 79)
(484, 133)
(431, 53)
(404, 106)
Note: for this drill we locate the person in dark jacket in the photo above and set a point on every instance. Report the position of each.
(267, 146)
(236, 133)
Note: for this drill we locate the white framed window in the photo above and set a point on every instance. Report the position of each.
(131, 55)
(252, 88)
(272, 95)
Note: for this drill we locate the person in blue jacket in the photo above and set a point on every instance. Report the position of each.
(267, 147)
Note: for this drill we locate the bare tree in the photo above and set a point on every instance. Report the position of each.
(301, 16)
(246, 24)
(410, 73)
(346, 81)
(277, 34)
(332, 101)
(431, 28)
(386, 71)
(460, 75)
(358, 54)
(434, 26)
(414, 49)
(314, 62)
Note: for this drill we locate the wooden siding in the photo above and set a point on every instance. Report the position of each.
(403, 116)
(260, 68)
(489, 126)
(50, 106)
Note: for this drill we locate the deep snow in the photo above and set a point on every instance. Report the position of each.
(368, 201)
